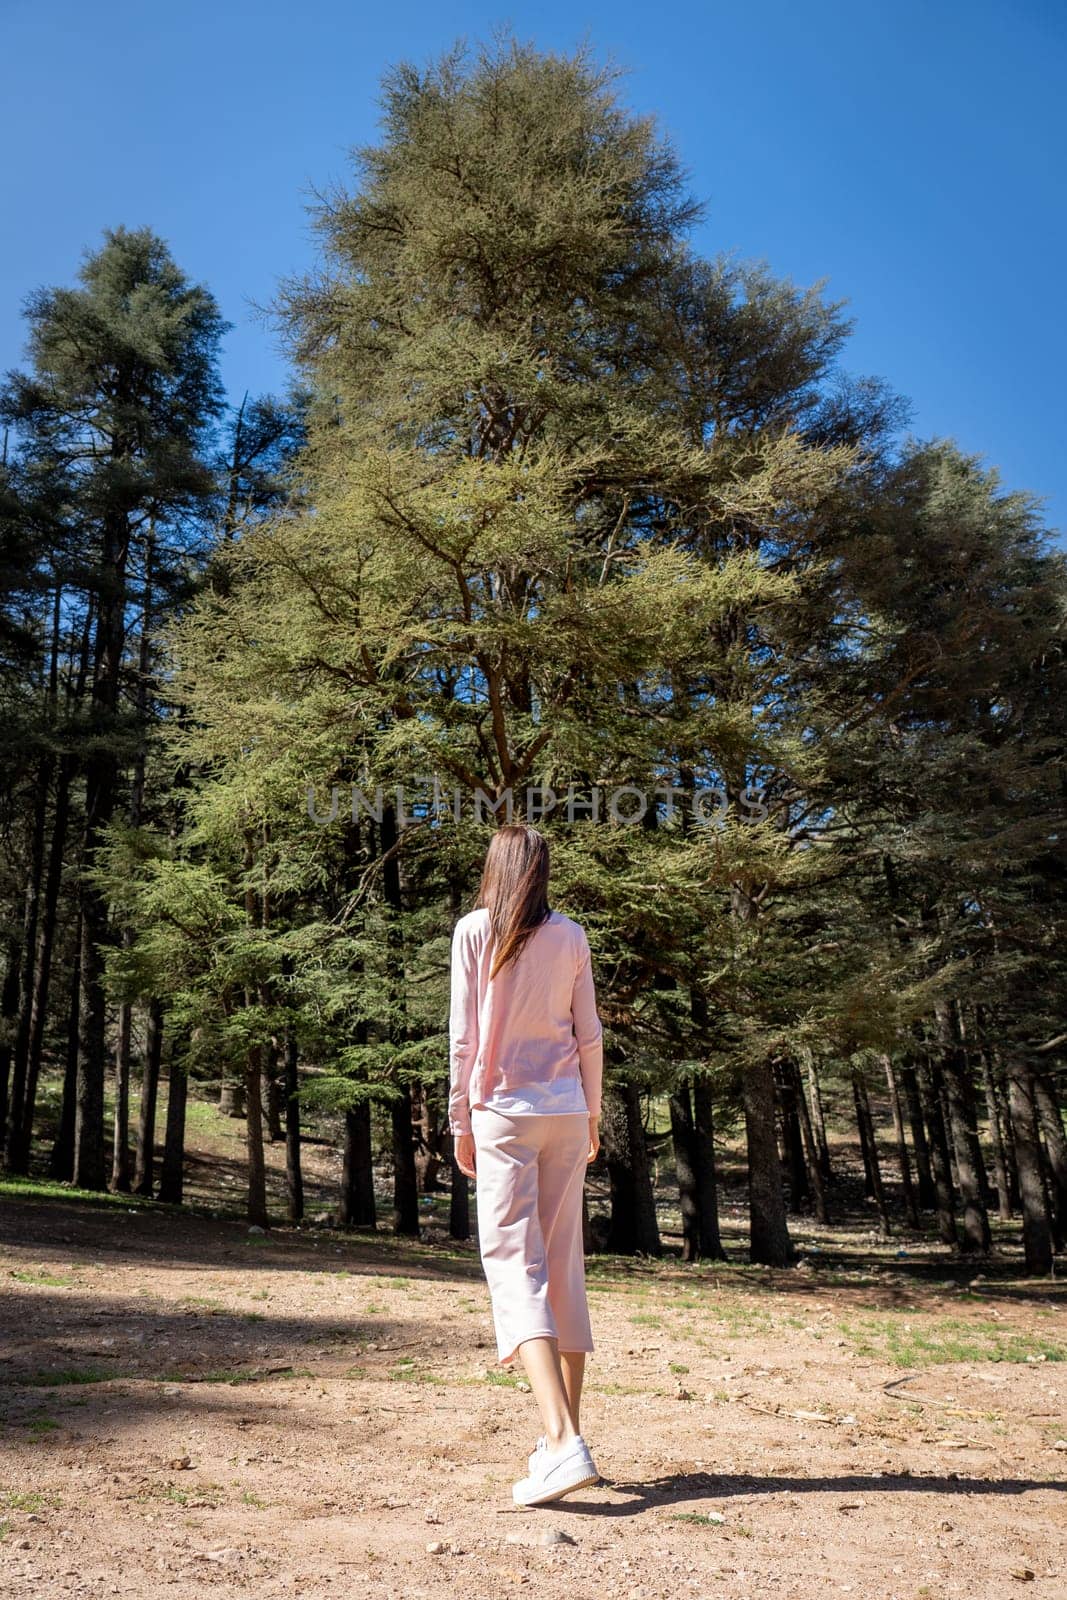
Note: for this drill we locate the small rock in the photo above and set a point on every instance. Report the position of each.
(523, 1388)
(555, 1536)
(180, 1464)
(1024, 1574)
(1061, 1444)
(255, 1228)
(437, 1547)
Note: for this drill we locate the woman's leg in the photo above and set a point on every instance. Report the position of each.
(572, 1363)
(542, 1362)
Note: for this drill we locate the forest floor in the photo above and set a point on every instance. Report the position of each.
(187, 1407)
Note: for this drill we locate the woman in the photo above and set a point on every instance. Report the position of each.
(526, 1061)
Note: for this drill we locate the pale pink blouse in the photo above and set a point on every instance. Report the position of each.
(530, 1040)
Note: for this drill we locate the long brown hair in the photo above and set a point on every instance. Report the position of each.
(514, 888)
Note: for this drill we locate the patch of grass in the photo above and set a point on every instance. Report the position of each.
(914, 1340)
(502, 1379)
(16, 1188)
(250, 1499)
(676, 1366)
(702, 1519)
(12, 1500)
(645, 1319)
(64, 1377)
(54, 1280)
(40, 1425)
(5, 1529)
(408, 1372)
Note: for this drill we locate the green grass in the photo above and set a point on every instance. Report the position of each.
(55, 1280)
(65, 1377)
(408, 1372)
(13, 1500)
(913, 1339)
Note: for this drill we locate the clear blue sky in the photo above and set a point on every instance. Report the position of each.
(913, 154)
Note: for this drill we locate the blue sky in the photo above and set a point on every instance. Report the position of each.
(911, 154)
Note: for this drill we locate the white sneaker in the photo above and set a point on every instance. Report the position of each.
(554, 1473)
(542, 1444)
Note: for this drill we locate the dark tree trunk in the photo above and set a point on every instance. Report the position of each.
(707, 1178)
(869, 1147)
(274, 1092)
(144, 1170)
(120, 1143)
(633, 1227)
(770, 1243)
(939, 1155)
(818, 1117)
(811, 1149)
(1050, 1123)
(15, 1158)
(911, 1210)
(257, 1167)
(294, 1177)
(799, 1187)
(969, 1165)
(683, 1136)
(61, 1160)
(172, 1171)
(923, 1169)
(996, 1132)
(356, 1206)
(1037, 1221)
(459, 1209)
(9, 1008)
(405, 1176)
(42, 977)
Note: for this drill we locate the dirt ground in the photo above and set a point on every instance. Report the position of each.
(188, 1407)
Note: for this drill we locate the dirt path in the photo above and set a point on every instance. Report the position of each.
(188, 1407)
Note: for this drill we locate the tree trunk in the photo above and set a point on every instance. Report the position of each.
(144, 1170)
(869, 1147)
(969, 1165)
(799, 1187)
(769, 1241)
(939, 1155)
(61, 1160)
(811, 1149)
(924, 1171)
(120, 1144)
(1037, 1221)
(633, 1226)
(172, 1172)
(9, 1007)
(356, 1206)
(273, 1092)
(405, 1177)
(996, 1132)
(1050, 1123)
(15, 1157)
(911, 1210)
(707, 1179)
(257, 1168)
(818, 1117)
(42, 977)
(459, 1208)
(294, 1177)
(685, 1165)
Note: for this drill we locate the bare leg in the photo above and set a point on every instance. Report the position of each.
(573, 1364)
(541, 1359)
